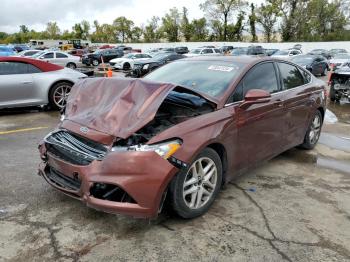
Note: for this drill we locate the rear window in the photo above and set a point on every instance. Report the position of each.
(210, 77)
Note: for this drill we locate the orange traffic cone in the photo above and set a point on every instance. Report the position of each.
(109, 72)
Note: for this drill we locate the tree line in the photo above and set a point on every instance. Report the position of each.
(224, 20)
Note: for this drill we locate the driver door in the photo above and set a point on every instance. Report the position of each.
(261, 125)
(16, 84)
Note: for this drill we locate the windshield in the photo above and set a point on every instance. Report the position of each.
(209, 77)
(98, 51)
(302, 59)
(342, 56)
(195, 51)
(281, 52)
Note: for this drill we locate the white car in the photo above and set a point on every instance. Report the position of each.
(204, 51)
(28, 53)
(59, 58)
(286, 54)
(127, 62)
(339, 60)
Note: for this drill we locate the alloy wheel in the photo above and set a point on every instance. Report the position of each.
(60, 95)
(200, 183)
(315, 129)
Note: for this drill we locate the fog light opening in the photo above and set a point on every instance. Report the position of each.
(111, 193)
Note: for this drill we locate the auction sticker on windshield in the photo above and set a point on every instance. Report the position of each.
(220, 68)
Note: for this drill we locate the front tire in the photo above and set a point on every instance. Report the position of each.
(58, 95)
(126, 66)
(95, 62)
(71, 65)
(193, 190)
(313, 132)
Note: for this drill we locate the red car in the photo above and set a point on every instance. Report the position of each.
(179, 133)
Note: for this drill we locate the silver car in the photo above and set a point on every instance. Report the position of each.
(59, 58)
(30, 82)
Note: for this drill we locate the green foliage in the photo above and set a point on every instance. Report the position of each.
(299, 20)
(151, 32)
(171, 25)
(123, 28)
(199, 30)
(252, 21)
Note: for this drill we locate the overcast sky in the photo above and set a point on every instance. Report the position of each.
(36, 13)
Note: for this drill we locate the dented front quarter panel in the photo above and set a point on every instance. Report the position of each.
(197, 133)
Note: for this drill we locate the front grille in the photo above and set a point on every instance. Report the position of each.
(63, 181)
(112, 64)
(74, 149)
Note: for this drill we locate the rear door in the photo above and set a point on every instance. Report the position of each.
(61, 59)
(16, 84)
(297, 102)
(260, 126)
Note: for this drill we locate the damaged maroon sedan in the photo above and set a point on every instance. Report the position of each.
(126, 145)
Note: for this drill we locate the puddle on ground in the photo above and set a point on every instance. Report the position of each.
(335, 141)
(339, 110)
(338, 165)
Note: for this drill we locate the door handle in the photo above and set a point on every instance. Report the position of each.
(279, 102)
(27, 82)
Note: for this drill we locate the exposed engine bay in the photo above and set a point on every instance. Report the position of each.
(340, 85)
(177, 107)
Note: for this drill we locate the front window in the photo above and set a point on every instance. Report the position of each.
(302, 60)
(209, 77)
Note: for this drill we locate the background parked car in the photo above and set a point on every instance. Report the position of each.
(127, 61)
(322, 52)
(6, 51)
(335, 51)
(96, 57)
(286, 54)
(20, 48)
(316, 64)
(77, 52)
(203, 51)
(28, 53)
(226, 49)
(31, 82)
(60, 58)
(339, 60)
(143, 67)
(271, 51)
(250, 50)
(181, 50)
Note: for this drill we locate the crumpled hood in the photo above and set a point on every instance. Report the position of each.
(115, 106)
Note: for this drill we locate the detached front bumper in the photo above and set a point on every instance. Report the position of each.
(143, 176)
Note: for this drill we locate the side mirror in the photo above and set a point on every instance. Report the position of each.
(255, 96)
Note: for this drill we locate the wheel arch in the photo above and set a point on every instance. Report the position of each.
(55, 83)
(321, 109)
(221, 151)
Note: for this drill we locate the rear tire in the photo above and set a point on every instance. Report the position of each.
(194, 189)
(95, 62)
(58, 95)
(313, 132)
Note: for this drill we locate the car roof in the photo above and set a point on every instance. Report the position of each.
(43, 66)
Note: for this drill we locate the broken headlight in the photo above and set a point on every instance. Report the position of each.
(165, 149)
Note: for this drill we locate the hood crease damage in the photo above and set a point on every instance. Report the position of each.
(132, 110)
